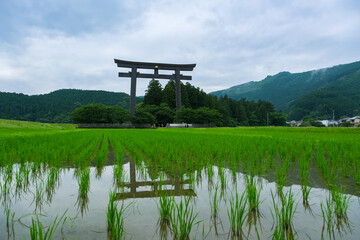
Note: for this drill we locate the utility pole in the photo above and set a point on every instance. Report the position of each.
(333, 118)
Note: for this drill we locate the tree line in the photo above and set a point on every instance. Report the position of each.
(198, 107)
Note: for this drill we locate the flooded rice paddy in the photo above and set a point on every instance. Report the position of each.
(195, 184)
(86, 215)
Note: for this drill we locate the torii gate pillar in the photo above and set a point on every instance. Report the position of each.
(133, 90)
(177, 89)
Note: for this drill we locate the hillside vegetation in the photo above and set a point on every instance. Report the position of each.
(158, 107)
(342, 96)
(55, 106)
(315, 93)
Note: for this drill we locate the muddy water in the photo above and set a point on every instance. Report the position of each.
(87, 215)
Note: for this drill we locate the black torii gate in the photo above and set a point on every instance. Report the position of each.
(134, 74)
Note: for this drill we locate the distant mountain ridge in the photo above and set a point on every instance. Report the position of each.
(56, 106)
(313, 93)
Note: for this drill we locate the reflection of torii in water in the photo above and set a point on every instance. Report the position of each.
(133, 185)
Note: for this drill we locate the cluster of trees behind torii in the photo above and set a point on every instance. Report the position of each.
(201, 108)
(158, 107)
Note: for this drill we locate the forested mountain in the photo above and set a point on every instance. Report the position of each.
(55, 106)
(341, 96)
(314, 93)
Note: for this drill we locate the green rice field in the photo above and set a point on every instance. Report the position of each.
(59, 182)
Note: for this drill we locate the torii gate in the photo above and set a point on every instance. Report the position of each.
(134, 74)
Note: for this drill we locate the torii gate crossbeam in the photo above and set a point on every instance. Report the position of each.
(134, 74)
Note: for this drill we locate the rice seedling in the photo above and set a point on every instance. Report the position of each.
(111, 210)
(222, 175)
(84, 182)
(304, 166)
(280, 179)
(305, 194)
(19, 180)
(10, 221)
(83, 179)
(39, 195)
(118, 175)
(52, 181)
(327, 212)
(5, 193)
(166, 207)
(102, 153)
(210, 175)
(331, 178)
(164, 229)
(9, 173)
(284, 215)
(182, 219)
(215, 201)
(341, 203)
(237, 214)
(25, 169)
(40, 232)
(9, 214)
(252, 194)
(115, 217)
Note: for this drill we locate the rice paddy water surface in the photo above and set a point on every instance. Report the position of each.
(59, 182)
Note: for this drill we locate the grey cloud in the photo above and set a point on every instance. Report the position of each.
(231, 41)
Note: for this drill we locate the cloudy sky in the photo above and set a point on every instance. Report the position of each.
(56, 44)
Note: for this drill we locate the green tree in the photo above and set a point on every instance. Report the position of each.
(185, 115)
(153, 94)
(99, 113)
(347, 124)
(277, 119)
(169, 94)
(91, 113)
(143, 117)
(185, 102)
(201, 115)
(206, 115)
(164, 114)
(120, 115)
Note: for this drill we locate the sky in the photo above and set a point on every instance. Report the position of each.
(59, 44)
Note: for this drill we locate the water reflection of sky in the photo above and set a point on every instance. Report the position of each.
(141, 221)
